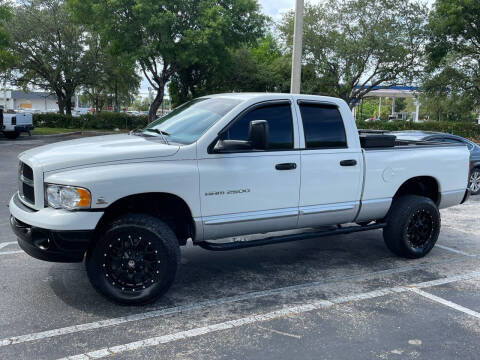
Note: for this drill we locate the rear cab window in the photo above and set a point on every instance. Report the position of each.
(323, 126)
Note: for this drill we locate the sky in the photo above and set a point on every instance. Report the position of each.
(275, 8)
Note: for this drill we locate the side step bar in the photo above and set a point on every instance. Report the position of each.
(286, 238)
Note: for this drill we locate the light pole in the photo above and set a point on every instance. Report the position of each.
(297, 49)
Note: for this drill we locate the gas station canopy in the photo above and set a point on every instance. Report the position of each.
(393, 92)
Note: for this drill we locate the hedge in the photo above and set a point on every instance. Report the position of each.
(464, 129)
(102, 120)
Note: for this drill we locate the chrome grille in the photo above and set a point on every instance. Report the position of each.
(25, 183)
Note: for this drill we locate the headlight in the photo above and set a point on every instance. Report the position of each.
(67, 197)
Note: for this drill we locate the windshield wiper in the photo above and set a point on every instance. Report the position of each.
(162, 133)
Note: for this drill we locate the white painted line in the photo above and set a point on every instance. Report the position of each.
(295, 310)
(367, 295)
(5, 244)
(210, 303)
(288, 311)
(454, 250)
(447, 280)
(200, 305)
(12, 252)
(446, 302)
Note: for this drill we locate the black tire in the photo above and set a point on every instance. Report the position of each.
(11, 134)
(135, 259)
(474, 182)
(413, 226)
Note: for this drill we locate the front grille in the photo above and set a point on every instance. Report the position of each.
(25, 183)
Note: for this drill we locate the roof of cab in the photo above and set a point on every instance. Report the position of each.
(245, 96)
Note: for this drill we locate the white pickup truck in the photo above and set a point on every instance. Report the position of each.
(12, 124)
(223, 166)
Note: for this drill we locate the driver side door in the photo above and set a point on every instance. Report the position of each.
(251, 191)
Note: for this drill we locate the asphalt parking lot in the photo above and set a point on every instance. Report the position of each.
(343, 297)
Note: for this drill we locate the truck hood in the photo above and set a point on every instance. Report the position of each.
(96, 149)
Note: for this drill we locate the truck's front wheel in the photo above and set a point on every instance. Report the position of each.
(135, 260)
(413, 226)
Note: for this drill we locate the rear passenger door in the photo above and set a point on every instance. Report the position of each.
(331, 172)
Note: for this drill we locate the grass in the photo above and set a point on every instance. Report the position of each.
(52, 131)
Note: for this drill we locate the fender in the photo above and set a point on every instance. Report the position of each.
(109, 183)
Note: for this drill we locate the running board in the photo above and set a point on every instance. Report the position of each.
(286, 238)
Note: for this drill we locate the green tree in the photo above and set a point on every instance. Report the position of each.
(168, 36)
(261, 67)
(444, 97)
(109, 77)
(140, 104)
(49, 49)
(454, 51)
(354, 45)
(6, 57)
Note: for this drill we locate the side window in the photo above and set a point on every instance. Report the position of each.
(458, 141)
(452, 141)
(280, 125)
(323, 126)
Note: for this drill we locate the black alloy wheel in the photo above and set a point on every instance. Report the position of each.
(413, 226)
(132, 262)
(420, 229)
(135, 259)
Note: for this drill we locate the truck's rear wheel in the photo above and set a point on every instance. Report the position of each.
(135, 259)
(413, 226)
(11, 134)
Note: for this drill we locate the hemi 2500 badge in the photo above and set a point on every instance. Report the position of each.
(228, 192)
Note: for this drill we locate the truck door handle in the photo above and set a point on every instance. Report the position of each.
(348, 162)
(286, 166)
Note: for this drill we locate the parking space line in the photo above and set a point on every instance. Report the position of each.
(5, 244)
(454, 250)
(445, 302)
(447, 280)
(12, 252)
(205, 304)
(295, 310)
(285, 312)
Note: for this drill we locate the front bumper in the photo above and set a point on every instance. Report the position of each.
(17, 128)
(24, 128)
(56, 246)
(50, 234)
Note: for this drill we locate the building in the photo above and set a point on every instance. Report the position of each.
(33, 101)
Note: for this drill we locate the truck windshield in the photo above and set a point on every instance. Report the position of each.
(189, 121)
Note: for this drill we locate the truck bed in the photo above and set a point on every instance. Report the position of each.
(382, 139)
